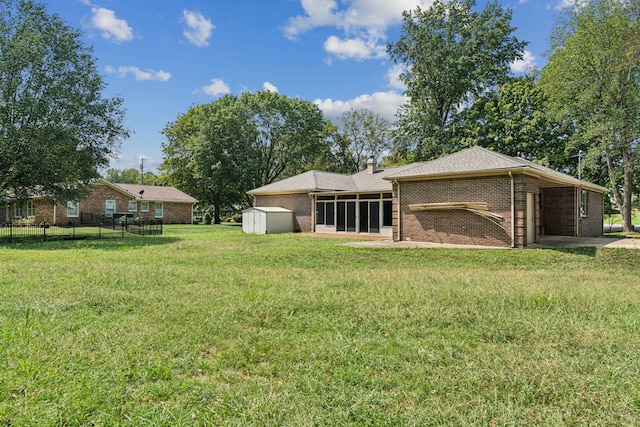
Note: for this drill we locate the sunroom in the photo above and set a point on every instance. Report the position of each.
(353, 213)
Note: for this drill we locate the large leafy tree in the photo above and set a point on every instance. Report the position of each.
(593, 78)
(514, 121)
(365, 134)
(56, 129)
(289, 138)
(451, 55)
(218, 151)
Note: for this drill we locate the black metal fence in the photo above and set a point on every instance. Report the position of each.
(11, 233)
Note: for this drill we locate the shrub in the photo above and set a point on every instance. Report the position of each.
(44, 224)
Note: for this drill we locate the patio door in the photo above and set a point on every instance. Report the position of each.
(346, 216)
(531, 218)
(369, 217)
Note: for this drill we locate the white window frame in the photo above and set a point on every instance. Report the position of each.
(73, 209)
(17, 210)
(31, 209)
(161, 210)
(108, 209)
(144, 206)
(584, 204)
(133, 204)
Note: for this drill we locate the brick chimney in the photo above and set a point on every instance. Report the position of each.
(371, 166)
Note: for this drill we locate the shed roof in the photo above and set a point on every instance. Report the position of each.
(269, 209)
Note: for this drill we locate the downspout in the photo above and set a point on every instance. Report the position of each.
(55, 204)
(513, 213)
(313, 213)
(578, 211)
(395, 181)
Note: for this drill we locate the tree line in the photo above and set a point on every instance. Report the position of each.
(56, 130)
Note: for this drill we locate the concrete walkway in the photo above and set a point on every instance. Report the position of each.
(545, 242)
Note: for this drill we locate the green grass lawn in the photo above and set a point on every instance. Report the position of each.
(204, 326)
(617, 218)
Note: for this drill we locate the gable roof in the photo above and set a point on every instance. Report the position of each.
(480, 161)
(151, 193)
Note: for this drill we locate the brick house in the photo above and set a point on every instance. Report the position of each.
(107, 199)
(474, 196)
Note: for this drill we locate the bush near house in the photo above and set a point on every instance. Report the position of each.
(207, 326)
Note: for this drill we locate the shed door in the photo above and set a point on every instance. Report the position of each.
(531, 218)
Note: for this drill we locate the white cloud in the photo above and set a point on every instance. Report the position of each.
(112, 27)
(393, 75)
(216, 88)
(199, 28)
(364, 23)
(368, 14)
(384, 103)
(527, 62)
(269, 87)
(354, 48)
(564, 4)
(140, 75)
(121, 161)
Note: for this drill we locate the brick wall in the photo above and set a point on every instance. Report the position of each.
(592, 225)
(559, 206)
(93, 208)
(463, 227)
(300, 204)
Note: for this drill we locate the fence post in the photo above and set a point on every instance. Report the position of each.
(99, 230)
(10, 233)
(44, 234)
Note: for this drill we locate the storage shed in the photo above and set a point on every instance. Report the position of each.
(267, 220)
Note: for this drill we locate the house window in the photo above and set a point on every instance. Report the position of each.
(72, 209)
(158, 210)
(17, 211)
(144, 206)
(584, 203)
(31, 209)
(325, 213)
(133, 206)
(109, 208)
(387, 213)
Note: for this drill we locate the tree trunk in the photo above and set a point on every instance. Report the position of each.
(216, 213)
(627, 225)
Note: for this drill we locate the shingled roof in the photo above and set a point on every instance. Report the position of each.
(330, 182)
(480, 161)
(153, 193)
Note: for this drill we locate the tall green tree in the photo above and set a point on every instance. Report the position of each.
(514, 121)
(593, 79)
(451, 55)
(56, 129)
(217, 152)
(223, 154)
(366, 134)
(289, 135)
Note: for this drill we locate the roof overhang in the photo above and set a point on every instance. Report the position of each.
(548, 180)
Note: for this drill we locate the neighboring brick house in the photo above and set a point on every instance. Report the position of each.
(475, 197)
(107, 199)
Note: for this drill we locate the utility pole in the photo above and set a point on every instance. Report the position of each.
(580, 165)
(142, 170)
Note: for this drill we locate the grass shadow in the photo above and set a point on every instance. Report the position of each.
(113, 243)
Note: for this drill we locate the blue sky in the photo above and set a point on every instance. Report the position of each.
(164, 56)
